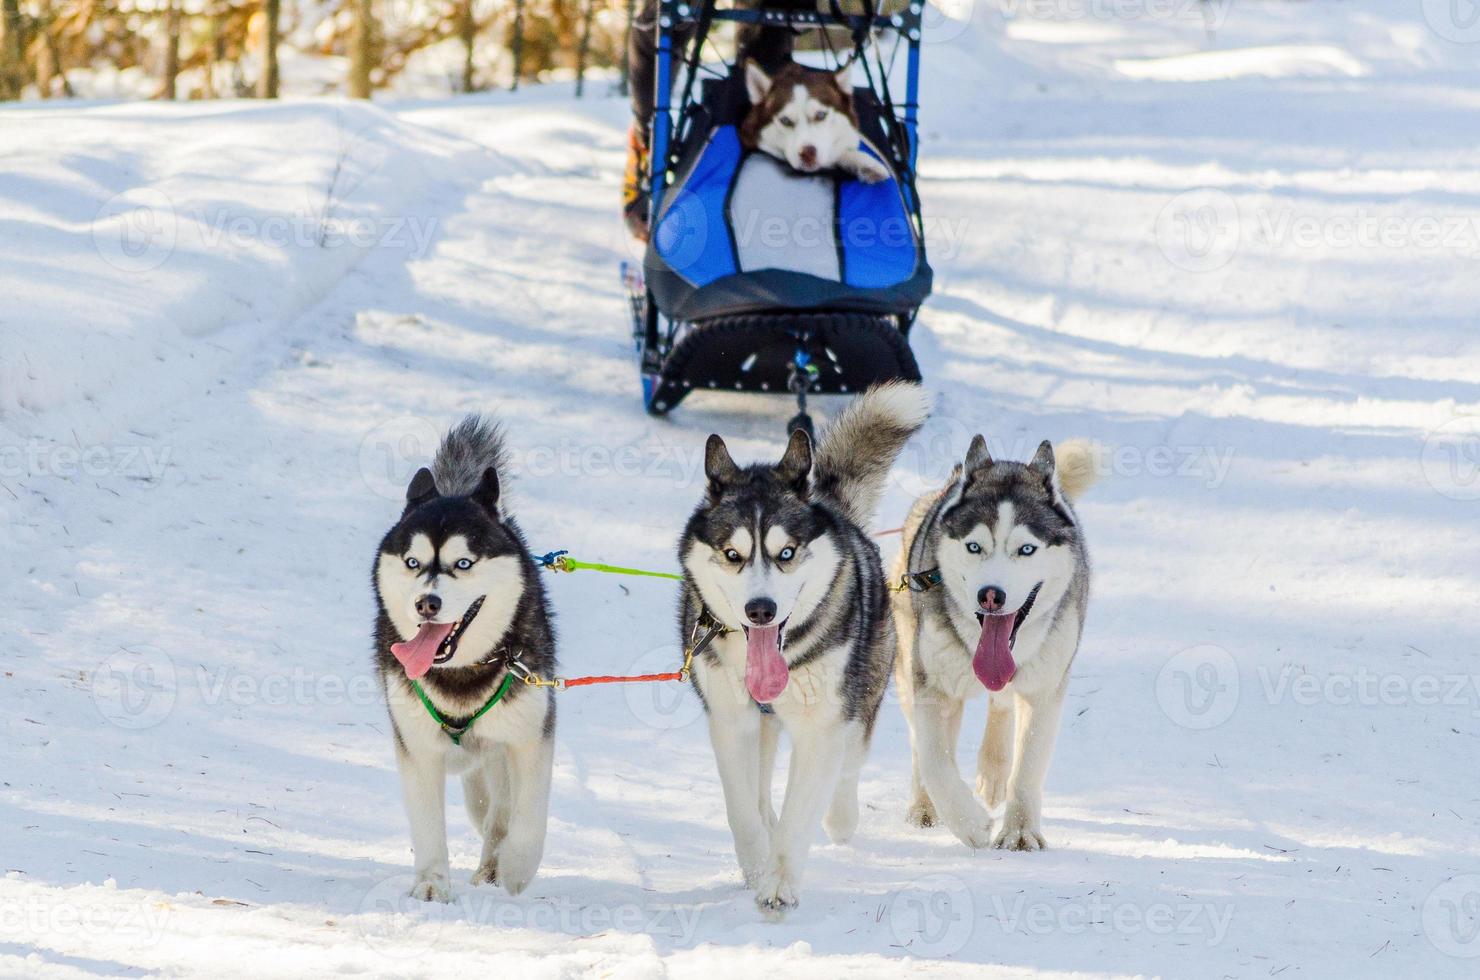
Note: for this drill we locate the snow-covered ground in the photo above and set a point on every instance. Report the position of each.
(1235, 243)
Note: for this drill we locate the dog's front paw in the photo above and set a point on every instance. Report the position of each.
(992, 787)
(1019, 832)
(751, 854)
(921, 813)
(432, 888)
(871, 171)
(487, 873)
(775, 894)
(517, 863)
(972, 828)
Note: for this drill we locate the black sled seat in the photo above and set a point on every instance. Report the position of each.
(769, 280)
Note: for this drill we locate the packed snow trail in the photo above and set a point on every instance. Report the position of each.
(1265, 758)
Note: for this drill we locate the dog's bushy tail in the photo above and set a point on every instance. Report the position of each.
(1076, 464)
(856, 451)
(468, 449)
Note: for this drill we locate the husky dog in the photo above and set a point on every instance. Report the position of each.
(804, 117)
(776, 557)
(998, 582)
(460, 601)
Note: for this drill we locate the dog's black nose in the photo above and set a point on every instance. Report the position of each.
(991, 598)
(760, 612)
(428, 606)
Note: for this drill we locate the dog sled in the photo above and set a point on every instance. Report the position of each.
(763, 279)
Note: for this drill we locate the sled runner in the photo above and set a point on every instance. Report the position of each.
(758, 277)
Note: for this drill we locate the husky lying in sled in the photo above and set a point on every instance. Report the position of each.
(804, 117)
(998, 578)
(777, 557)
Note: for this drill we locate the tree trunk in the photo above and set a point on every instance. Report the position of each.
(267, 84)
(171, 49)
(518, 45)
(12, 50)
(362, 49)
(584, 49)
(625, 88)
(468, 29)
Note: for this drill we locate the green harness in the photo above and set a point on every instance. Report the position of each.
(456, 732)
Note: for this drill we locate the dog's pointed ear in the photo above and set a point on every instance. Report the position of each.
(423, 488)
(796, 462)
(844, 77)
(977, 456)
(757, 82)
(487, 491)
(1043, 459)
(719, 468)
(1044, 464)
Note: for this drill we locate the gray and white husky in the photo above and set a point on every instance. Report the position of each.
(459, 603)
(998, 581)
(777, 557)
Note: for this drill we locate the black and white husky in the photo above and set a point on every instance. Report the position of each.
(459, 600)
(777, 556)
(998, 586)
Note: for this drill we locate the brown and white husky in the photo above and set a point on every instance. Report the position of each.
(805, 118)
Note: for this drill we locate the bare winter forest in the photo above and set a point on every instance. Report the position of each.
(203, 49)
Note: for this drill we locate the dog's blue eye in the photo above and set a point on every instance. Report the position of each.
(788, 123)
(465, 563)
(1027, 549)
(412, 563)
(973, 547)
(732, 555)
(820, 116)
(787, 554)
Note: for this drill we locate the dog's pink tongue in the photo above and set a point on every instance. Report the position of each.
(765, 668)
(417, 653)
(993, 661)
